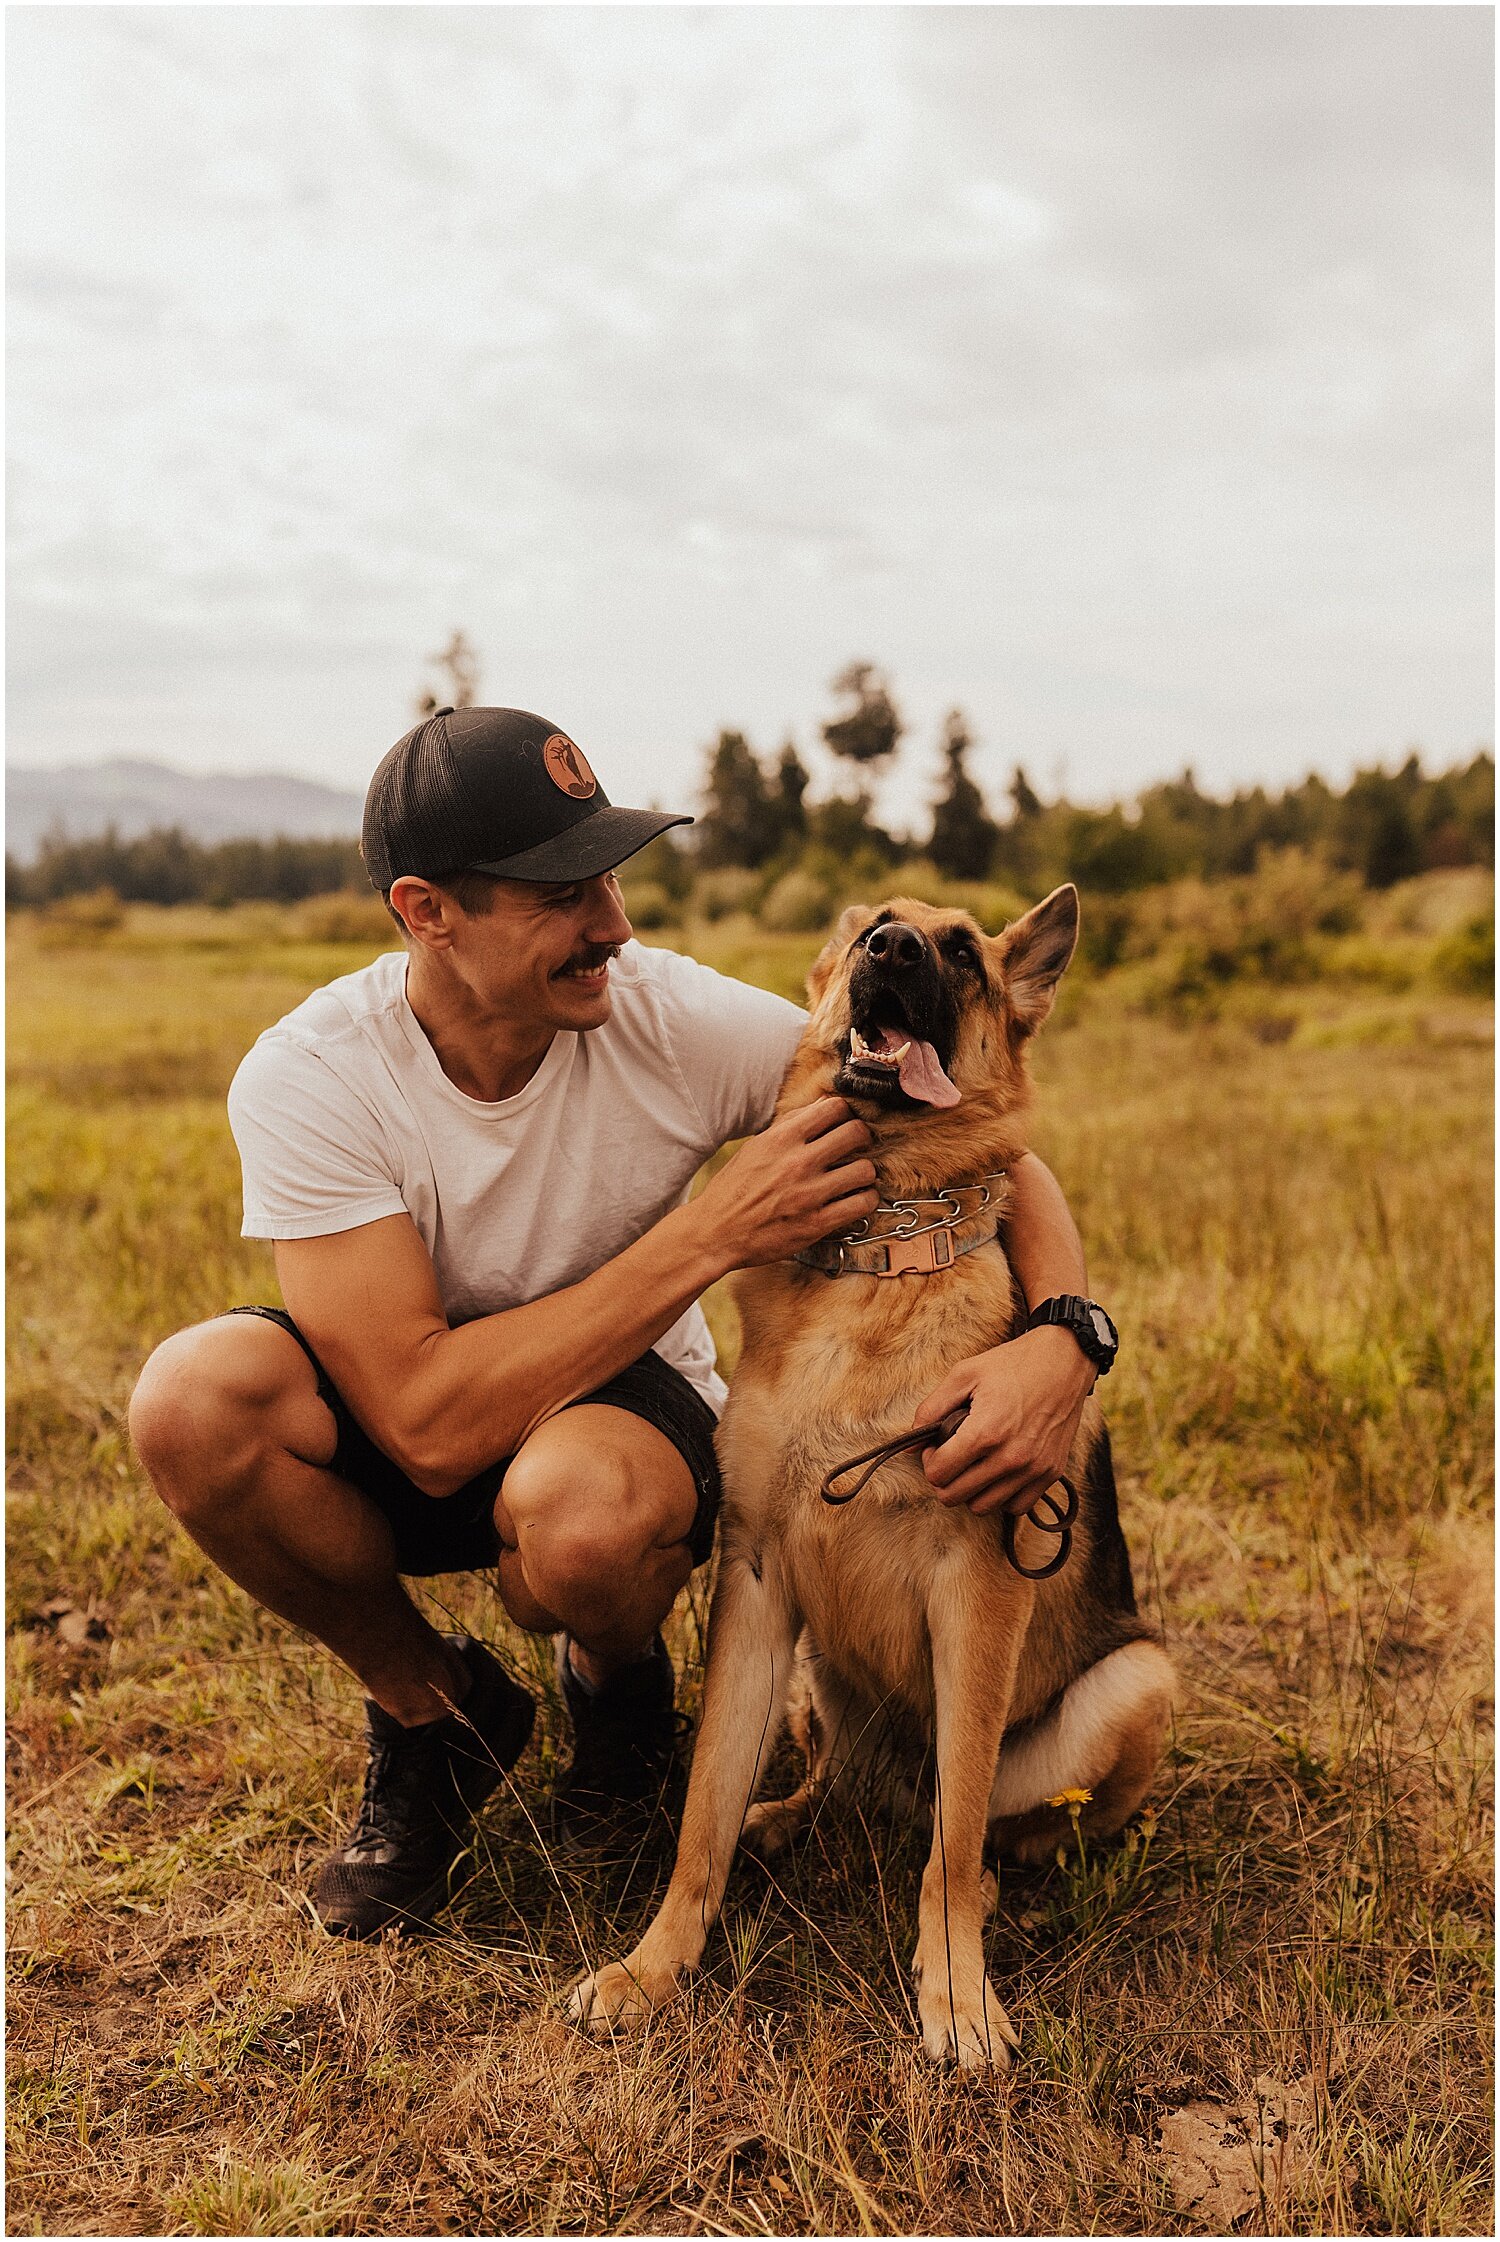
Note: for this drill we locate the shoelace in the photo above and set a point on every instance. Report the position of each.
(387, 1809)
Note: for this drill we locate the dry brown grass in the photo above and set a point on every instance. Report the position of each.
(1292, 1225)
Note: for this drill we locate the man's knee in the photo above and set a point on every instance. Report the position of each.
(208, 1403)
(583, 1534)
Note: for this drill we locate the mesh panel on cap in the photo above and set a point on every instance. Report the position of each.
(417, 814)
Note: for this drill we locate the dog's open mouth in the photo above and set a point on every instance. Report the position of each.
(886, 1055)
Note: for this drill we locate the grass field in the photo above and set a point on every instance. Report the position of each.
(1287, 1207)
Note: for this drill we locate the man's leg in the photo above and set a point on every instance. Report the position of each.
(227, 1421)
(595, 1514)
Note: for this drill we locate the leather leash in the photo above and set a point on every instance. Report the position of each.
(1047, 1514)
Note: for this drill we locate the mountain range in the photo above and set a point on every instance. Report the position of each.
(85, 799)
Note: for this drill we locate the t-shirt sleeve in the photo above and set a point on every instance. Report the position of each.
(314, 1157)
(733, 1044)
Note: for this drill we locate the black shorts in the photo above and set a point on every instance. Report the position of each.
(456, 1533)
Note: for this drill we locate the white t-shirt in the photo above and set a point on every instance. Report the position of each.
(342, 1115)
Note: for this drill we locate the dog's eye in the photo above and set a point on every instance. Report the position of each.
(964, 953)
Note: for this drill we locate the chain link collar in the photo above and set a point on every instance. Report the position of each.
(911, 1246)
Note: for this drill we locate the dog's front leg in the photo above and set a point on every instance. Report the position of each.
(752, 1629)
(976, 1633)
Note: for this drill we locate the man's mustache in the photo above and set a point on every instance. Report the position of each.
(596, 954)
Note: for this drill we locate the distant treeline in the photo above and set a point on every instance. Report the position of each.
(164, 866)
(1384, 826)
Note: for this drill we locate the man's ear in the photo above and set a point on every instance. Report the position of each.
(851, 919)
(422, 910)
(1034, 955)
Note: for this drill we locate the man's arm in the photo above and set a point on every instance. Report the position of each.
(1025, 1398)
(445, 1403)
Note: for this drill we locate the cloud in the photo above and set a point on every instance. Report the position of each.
(1120, 373)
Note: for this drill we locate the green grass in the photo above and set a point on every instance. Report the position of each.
(1287, 1207)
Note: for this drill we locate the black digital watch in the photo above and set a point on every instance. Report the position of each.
(1090, 1325)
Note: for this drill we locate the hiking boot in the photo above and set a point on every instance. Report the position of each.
(405, 1856)
(624, 1743)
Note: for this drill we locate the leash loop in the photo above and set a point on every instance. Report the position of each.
(1047, 1514)
(925, 1436)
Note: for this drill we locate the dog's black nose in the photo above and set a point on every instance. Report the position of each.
(895, 944)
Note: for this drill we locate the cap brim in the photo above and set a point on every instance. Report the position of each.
(595, 844)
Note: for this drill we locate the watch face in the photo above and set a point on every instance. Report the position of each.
(1104, 1330)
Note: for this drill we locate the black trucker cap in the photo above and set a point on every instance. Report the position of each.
(495, 790)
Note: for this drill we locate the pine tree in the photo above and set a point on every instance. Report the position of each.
(963, 832)
(739, 821)
(458, 666)
(1025, 802)
(869, 730)
(789, 787)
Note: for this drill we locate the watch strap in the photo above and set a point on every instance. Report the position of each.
(1073, 1313)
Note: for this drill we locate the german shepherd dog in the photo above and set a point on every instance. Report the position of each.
(898, 1619)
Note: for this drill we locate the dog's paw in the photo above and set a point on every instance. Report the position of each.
(618, 1996)
(975, 2033)
(771, 1826)
(1031, 1840)
(1039, 1848)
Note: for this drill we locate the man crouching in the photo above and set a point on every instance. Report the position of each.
(473, 1159)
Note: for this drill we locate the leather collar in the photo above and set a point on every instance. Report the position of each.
(918, 1241)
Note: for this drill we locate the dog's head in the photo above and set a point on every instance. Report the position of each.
(917, 1010)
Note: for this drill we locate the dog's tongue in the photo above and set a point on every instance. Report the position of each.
(922, 1076)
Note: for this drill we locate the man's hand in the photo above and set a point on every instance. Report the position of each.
(802, 1179)
(1025, 1399)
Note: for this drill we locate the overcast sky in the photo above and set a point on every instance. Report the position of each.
(1123, 375)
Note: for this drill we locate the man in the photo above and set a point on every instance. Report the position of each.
(473, 1159)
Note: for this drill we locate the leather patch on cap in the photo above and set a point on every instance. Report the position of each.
(568, 768)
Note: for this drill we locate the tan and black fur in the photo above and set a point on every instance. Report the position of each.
(896, 1621)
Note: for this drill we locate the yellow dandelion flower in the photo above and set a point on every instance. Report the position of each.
(1072, 1798)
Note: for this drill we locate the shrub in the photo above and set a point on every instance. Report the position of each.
(994, 906)
(346, 918)
(799, 903)
(1371, 964)
(1272, 925)
(648, 905)
(666, 863)
(74, 921)
(1104, 933)
(864, 875)
(845, 827)
(1436, 905)
(718, 895)
(1110, 855)
(1465, 963)
(1266, 921)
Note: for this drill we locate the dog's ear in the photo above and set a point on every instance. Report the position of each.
(851, 919)
(1034, 955)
